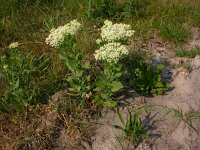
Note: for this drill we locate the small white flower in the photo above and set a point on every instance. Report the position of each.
(5, 66)
(114, 32)
(111, 52)
(57, 36)
(13, 45)
(98, 41)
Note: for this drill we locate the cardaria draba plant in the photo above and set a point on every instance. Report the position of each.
(112, 49)
(64, 39)
(99, 86)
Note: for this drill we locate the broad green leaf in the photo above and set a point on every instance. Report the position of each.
(116, 86)
(62, 55)
(88, 78)
(110, 103)
(70, 64)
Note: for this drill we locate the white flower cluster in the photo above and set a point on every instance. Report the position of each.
(57, 36)
(112, 35)
(114, 32)
(13, 45)
(111, 52)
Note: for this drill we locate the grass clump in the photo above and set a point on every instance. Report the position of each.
(102, 9)
(115, 9)
(171, 29)
(133, 127)
(181, 52)
(176, 19)
(137, 8)
(187, 66)
(186, 118)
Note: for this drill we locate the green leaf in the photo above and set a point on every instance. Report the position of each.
(88, 78)
(120, 116)
(159, 85)
(159, 68)
(70, 63)
(116, 86)
(118, 127)
(17, 84)
(110, 103)
(105, 96)
(62, 55)
(118, 74)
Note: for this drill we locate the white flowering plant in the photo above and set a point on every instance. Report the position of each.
(64, 39)
(108, 80)
(101, 85)
(111, 50)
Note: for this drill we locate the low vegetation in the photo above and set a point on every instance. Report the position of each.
(83, 47)
(133, 127)
(187, 53)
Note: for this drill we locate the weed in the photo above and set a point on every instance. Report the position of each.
(108, 83)
(2, 25)
(143, 77)
(136, 8)
(186, 118)
(133, 127)
(25, 78)
(101, 8)
(172, 22)
(173, 30)
(104, 84)
(106, 9)
(181, 52)
(187, 66)
(194, 114)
